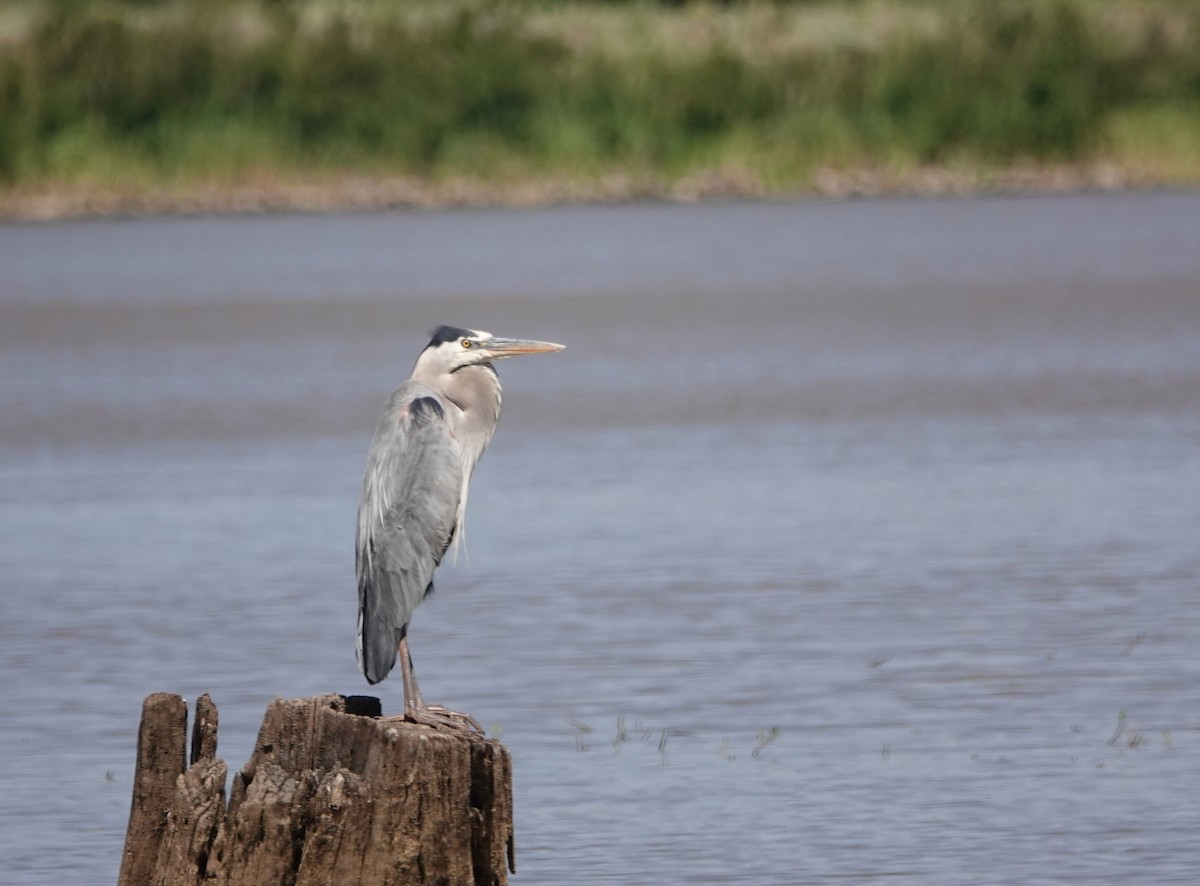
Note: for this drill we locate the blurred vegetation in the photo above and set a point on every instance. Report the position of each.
(192, 90)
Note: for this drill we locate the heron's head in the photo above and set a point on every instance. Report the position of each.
(451, 348)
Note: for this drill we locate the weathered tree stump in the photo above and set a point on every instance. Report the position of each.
(331, 795)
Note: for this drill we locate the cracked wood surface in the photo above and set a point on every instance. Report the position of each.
(331, 794)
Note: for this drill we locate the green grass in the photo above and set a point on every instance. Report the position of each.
(130, 95)
(1161, 140)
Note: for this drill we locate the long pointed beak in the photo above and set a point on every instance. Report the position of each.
(512, 347)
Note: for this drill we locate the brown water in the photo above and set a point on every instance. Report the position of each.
(845, 542)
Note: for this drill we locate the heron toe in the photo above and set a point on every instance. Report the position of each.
(438, 717)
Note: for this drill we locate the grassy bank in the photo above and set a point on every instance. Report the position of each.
(239, 104)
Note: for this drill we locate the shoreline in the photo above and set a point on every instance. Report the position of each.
(346, 192)
(117, 110)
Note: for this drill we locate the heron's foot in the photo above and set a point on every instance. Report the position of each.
(456, 719)
(437, 716)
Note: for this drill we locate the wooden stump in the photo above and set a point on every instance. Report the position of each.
(331, 794)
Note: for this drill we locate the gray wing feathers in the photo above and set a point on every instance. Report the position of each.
(406, 518)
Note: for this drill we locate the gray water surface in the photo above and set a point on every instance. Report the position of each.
(845, 542)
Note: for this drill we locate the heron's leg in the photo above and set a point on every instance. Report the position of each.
(412, 694)
(415, 709)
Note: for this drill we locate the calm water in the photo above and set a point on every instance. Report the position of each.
(846, 542)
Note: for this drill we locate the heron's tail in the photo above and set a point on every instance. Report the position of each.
(378, 641)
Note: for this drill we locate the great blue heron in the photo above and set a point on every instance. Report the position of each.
(432, 432)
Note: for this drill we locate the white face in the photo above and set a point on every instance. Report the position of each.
(470, 348)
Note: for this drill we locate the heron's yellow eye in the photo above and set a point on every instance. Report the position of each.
(466, 343)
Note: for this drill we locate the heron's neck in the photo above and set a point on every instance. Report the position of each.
(476, 391)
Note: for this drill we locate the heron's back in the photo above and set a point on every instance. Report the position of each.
(406, 518)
